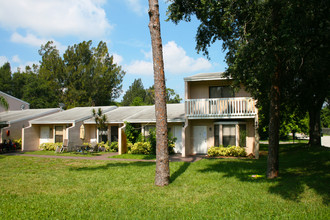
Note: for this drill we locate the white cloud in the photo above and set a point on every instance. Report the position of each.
(3, 60)
(117, 58)
(84, 18)
(176, 61)
(16, 59)
(140, 67)
(137, 6)
(31, 39)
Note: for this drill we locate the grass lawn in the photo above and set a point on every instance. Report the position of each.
(135, 156)
(55, 188)
(69, 154)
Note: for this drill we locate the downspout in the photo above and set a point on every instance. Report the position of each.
(122, 146)
(67, 132)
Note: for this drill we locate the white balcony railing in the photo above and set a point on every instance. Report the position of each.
(221, 108)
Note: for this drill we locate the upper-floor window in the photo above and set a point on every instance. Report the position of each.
(221, 92)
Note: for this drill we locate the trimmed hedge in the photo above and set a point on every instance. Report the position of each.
(234, 151)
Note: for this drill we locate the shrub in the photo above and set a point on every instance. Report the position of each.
(234, 151)
(129, 147)
(141, 148)
(152, 140)
(18, 143)
(131, 132)
(102, 146)
(49, 146)
(113, 146)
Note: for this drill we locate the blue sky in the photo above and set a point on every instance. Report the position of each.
(123, 24)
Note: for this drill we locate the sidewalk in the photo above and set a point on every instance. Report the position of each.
(173, 158)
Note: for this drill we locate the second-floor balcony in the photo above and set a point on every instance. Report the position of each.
(242, 107)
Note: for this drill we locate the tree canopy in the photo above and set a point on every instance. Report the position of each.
(84, 76)
(273, 47)
(137, 95)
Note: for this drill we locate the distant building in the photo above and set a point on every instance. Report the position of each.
(12, 122)
(14, 103)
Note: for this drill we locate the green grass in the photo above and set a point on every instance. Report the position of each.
(135, 156)
(69, 154)
(55, 188)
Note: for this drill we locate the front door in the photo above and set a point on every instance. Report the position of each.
(199, 139)
(44, 134)
(178, 142)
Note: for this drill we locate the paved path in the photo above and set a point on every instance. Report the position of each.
(325, 140)
(173, 158)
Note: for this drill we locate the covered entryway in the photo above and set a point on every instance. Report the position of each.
(199, 139)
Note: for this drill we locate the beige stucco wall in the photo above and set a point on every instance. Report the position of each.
(73, 133)
(200, 90)
(189, 145)
(209, 123)
(15, 130)
(30, 140)
(250, 139)
(31, 135)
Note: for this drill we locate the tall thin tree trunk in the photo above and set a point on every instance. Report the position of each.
(274, 126)
(162, 177)
(314, 126)
(274, 110)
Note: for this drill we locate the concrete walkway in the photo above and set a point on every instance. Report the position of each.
(173, 158)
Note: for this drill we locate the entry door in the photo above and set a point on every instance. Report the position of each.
(44, 134)
(178, 135)
(199, 139)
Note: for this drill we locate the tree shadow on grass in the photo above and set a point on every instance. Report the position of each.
(180, 171)
(300, 166)
(112, 165)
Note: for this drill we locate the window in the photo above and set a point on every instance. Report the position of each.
(103, 135)
(58, 134)
(229, 135)
(114, 133)
(225, 134)
(221, 92)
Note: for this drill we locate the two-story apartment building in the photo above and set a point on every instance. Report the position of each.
(218, 115)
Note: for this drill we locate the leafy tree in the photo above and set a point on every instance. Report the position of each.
(52, 69)
(325, 116)
(4, 103)
(131, 132)
(5, 78)
(135, 95)
(264, 45)
(100, 119)
(37, 90)
(162, 177)
(171, 96)
(19, 80)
